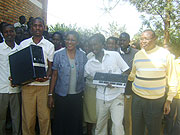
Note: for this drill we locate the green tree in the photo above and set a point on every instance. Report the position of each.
(161, 15)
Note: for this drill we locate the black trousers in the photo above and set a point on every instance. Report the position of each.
(68, 115)
(146, 113)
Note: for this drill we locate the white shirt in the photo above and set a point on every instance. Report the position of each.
(18, 24)
(112, 62)
(5, 85)
(48, 52)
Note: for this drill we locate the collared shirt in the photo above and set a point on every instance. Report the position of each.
(152, 71)
(127, 51)
(111, 63)
(5, 85)
(62, 65)
(18, 24)
(128, 57)
(48, 52)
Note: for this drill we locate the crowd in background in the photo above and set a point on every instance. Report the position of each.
(105, 111)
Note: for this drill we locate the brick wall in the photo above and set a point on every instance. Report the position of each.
(10, 10)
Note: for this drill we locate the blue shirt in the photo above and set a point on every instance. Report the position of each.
(61, 63)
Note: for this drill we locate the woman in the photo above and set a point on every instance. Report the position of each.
(68, 82)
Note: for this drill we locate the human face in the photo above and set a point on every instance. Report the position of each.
(71, 42)
(147, 41)
(124, 41)
(96, 46)
(87, 48)
(111, 44)
(56, 39)
(9, 33)
(37, 28)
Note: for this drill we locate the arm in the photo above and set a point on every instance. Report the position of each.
(172, 82)
(49, 71)
(51, 89)
(132, 73)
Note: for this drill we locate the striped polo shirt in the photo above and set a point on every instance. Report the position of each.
(152, 71)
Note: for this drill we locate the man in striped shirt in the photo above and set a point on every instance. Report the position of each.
(153, 69)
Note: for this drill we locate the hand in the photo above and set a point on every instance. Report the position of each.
(10, 79)
(42, 79)
(50, 102)
(110, 86)
(167, 107)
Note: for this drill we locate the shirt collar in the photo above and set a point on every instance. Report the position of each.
(106, 53)
(127, 50)
(5, 46)
(41, 42)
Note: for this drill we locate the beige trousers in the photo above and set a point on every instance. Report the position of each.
(113, 109)
(34, 103)
(127, 115)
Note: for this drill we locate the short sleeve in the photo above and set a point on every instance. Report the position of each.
(50, 53)
(121, 63)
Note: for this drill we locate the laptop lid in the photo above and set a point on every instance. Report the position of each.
(116, 80)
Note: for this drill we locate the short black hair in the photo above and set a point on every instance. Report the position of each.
(38, 18)
(22, 17)
(58, 33)
(125, 34)
(154, 34)
(98, 36)
(7, 25)
(2, 25)
(113, 38)
(76, 34)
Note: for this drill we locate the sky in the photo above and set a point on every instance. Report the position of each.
(88, 13)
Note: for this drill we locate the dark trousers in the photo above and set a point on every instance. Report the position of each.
(146, 113)
(173, 127)
(68, 115)
(13, 101)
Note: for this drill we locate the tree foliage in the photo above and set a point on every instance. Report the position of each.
(113, 29)
(163, 16)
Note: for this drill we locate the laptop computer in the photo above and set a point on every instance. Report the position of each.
(116, 80)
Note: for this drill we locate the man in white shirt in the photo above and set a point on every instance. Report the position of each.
(35, 94)
(110, 101)
(21, 23)
(9, 96)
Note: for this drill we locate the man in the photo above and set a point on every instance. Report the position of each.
(35, 95)
(9, 96)
(21, 23)
(153, 69)
(1, 27)
(127, 53)
(109, 100)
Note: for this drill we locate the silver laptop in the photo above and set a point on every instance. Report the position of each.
(116, 80)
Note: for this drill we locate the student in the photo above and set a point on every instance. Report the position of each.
(89, 100)
(9, 96)
(19, 35)
(35, 94)
(111, 43)
(68, 82)
(21, 23)
(153, 69)
(127, 53)
(58, 41)
(109, 101)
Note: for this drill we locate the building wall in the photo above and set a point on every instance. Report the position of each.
(10, 10)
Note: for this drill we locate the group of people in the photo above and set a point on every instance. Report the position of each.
(151, 91)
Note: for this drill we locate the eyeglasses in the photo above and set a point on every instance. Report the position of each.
(146, 39)
(69, 40)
